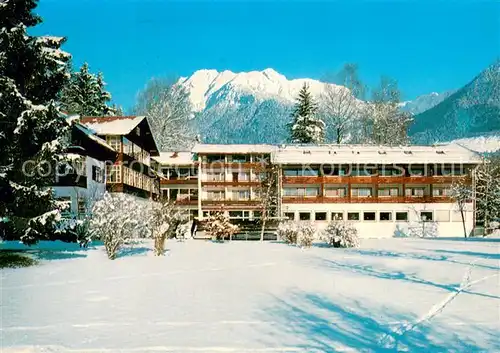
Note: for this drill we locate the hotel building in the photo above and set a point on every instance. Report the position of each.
(382, 190)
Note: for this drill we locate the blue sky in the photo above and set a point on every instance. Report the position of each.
(426, 45)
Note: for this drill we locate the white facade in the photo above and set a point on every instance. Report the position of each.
(81, 198)
(446, 219)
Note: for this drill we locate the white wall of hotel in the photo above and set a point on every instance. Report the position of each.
(445, 215)
(94, 190)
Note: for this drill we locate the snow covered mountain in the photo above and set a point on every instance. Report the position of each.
(250, 107)
(424, 102)
(255, 107)
(472, 111)
(208, 87)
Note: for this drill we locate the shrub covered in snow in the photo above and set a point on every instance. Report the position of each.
(306, 235)
(341, 234)
(219, 227)
(288, 232)
(118, 219)
(297, 233)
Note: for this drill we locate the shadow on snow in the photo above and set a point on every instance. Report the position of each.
(320, 325)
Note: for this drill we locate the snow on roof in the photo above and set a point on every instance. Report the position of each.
(367, 154)
(112, 125)
(233, 148)
(175, 158)
(93, 137)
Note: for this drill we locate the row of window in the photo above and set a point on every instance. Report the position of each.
(363, 191)
(382, 216)
(235, 158)
(220, 195)
(331, 170)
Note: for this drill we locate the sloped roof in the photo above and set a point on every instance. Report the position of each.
(233, 148)
(175, 158)
(368, 154)
(93, 137)
(112, 125)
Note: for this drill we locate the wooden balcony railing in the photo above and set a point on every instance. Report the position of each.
(230, 183)
(230, 202)
(374, 199)
(178, 181)
(376, 179)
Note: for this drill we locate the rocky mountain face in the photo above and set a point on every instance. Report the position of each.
(255, 107)
(424, 102)
(473, 110)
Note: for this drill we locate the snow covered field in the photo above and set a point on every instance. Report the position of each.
(430, 295)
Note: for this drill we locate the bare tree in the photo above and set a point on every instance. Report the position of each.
(164, 220)
(462, 193)
(340, 105)
(268, 192)
(169, 111)
(384, 123)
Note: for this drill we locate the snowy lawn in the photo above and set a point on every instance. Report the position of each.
(389, 295)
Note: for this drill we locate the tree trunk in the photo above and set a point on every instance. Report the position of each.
(463, 222)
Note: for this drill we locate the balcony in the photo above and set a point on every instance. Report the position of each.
(181, 181)
(381, 199)
(376, 179)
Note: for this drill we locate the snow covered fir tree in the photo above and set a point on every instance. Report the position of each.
(85, 94)
(306, 127)
(33, 70)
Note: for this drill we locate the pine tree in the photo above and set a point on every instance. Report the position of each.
(305, 126)
(85, 94)
(33, 70)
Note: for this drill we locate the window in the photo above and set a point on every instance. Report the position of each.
(114, 142)
(290, 215)
(215, 195)
(387, 192)
(257, 214)
(353, 216)
(241, 195)
(385, 216)
(426, 216)
(290, 172)
(304, 216)
(311, 192)
(97, 174)
(361, 192)
(368, 216)
(415, 192)
(310, 172)
(240, 158)
(320, 216)
(215, 158)
(337, 216)
(416, 171)
(215, 176)
(114, 173)
(235, 214)
(402, 216)
(390, 171)
(441, 191)
(335, 192)
(442, 216)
